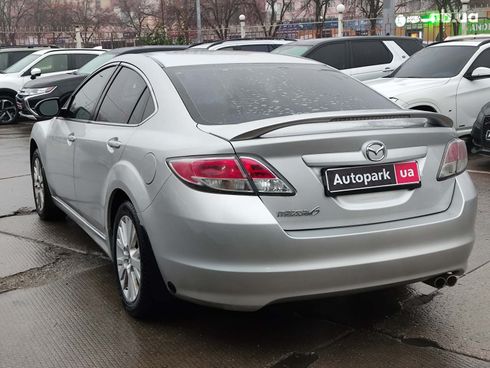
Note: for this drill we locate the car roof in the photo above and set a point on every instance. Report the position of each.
(243, 41)
(316, 41)
(18, 49)
(468, 42)
(468, 37)
(142, 49)
(206, 57)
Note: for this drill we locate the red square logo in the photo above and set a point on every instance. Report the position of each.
(407, 173)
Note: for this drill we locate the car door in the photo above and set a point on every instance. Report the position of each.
(472, 94)
(101, 142)
(60, 150)
(370, 59)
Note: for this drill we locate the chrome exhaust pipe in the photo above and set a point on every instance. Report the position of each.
(451, 280)
(438, 282)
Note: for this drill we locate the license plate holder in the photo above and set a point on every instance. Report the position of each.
(371, 178)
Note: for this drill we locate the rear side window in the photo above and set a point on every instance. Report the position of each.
(369, 52)
(53, 63)
(86, 98)
(238, 93)
(122, 97)
(331, 54)
(79, 60)
(4, 60)
(144, 108)
(409, 46)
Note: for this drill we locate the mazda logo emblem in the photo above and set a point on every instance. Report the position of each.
(374, 151)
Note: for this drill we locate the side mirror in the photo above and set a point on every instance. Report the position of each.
(35, 72)
(480, 73)
(48, 108)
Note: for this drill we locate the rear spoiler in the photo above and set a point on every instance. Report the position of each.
(253, 130)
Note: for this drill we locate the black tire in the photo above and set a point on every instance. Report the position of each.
(8, 109)
(45, 207)
(152, 291)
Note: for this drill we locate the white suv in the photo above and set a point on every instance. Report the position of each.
(257, 45)
(360, 57)
(42, 63)
(451, 78)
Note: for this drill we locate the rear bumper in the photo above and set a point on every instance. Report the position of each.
(232, 253)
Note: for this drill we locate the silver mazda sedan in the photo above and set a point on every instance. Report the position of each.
(240, 180)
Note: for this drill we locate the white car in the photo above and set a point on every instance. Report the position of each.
(451, 78)
(42, 63)
(363, 58)
(259, 45)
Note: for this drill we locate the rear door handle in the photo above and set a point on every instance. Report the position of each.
(114, 143)
(71, 138)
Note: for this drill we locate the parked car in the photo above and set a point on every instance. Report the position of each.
(360, 57)
(481, 131)
(39, 64)
(62, 86)
(243, 179)
(258, 45)
(10, 56)
(451, 78)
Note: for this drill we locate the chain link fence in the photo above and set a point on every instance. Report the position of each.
(115, 38)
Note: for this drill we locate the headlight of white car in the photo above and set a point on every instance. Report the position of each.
(36, 91)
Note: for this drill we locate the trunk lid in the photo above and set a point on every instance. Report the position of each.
(301, 153)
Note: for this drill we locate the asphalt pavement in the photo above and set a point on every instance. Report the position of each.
(59, 305)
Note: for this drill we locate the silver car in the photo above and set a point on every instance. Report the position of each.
(240, 180)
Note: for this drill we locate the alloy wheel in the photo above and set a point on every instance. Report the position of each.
(8, 111)
(38, 183)
(128, 259)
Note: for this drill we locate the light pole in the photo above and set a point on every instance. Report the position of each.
(198, 21)
(242, 25)
(340, 10)
(464, 16)
(78, 37)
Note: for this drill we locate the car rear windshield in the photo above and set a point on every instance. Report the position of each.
(238, 93)
(292, 50)
(436, 62)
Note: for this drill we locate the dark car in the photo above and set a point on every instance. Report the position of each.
(10, 56)
(481, 131)
(62, 86)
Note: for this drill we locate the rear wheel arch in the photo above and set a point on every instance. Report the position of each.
(118, 197)
(32, 147)
(424, 108)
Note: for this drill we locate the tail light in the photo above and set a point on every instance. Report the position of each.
(244, 175)
(454, 161)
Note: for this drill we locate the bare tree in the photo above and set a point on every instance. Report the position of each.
(270, 16)
(219, 14)
(90, 19)
(451, 6)
(180, 17)
(139, 15)
(372, 10)
(319, 8)
(12, 14)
